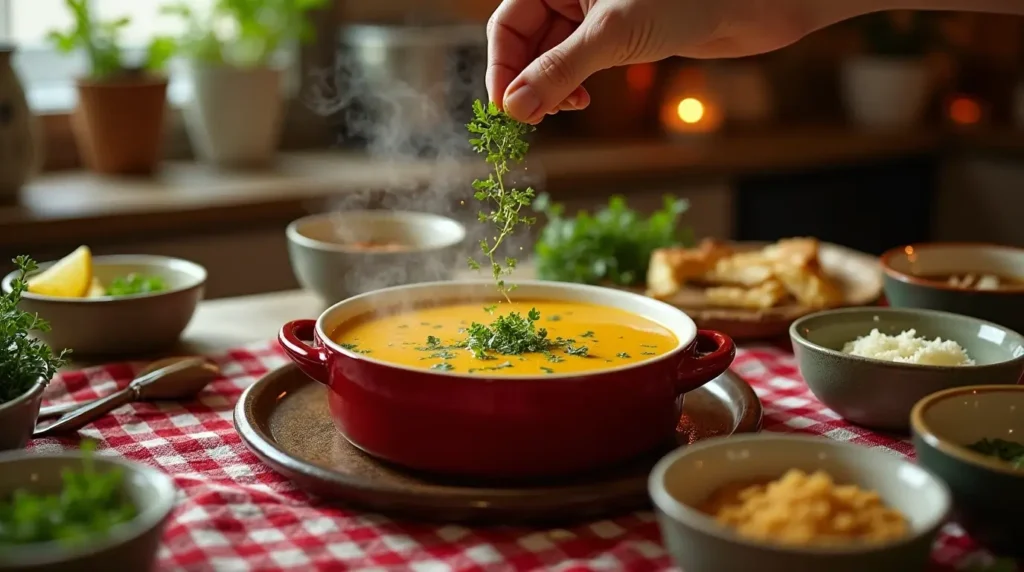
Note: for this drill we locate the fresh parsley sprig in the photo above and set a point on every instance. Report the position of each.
(515, 334)
(24, 360)
(501, 139)
(613, 245)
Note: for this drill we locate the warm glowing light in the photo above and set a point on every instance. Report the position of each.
(690, 110)
(965, 111)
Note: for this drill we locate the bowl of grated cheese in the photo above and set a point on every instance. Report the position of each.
(871, 365)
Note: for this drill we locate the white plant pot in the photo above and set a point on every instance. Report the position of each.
(885, 93)
(234, 116)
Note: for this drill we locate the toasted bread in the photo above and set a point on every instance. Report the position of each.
(671, 268)
(810, 286)
(761, 297)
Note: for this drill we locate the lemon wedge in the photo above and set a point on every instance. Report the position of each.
(96, 289)
(69, 277)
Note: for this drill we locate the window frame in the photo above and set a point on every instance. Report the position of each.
(301, 129)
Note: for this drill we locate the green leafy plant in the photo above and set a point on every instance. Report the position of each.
(24, 360)
(133, 284)
(89, 504)
(903, 34)
(244, 33)
(613, 246)
(100, 40)
(1008, 451)
(502, 141)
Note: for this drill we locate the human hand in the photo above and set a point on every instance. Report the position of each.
(541, 51)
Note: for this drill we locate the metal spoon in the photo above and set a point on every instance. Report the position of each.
(173, 379)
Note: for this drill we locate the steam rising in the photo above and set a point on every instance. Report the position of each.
(416, 133)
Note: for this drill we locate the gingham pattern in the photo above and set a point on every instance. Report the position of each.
(236, 514)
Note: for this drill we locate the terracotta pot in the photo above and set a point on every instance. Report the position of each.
(506, 427)
(119, 124)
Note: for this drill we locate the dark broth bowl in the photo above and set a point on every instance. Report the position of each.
(988, 494)
(506, 427)
(907, 285)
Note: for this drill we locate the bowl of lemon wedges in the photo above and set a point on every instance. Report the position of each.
(112, 305)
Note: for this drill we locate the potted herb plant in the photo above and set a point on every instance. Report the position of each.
(26, 364)
(118, 123)
(235, 114)
(888, 85)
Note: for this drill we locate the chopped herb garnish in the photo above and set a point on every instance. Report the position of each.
(1008, 451)
(88, 505)
(443, 354)
(622, 355)
(349, 346)
(554, 318)
(579, 351)
(553, 358)
(648, 346)
(433, 341)
(547, 370)
(438, 327)
(364, 352)
(587, 334)
(648, 354)
(134, 284)
(424, 323)
(490, 309)
(502, 141)
(512, 334)
(443, 366)
(505, 365)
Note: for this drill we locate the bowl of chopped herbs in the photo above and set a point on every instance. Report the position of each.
(973, 438)
(111, 305)
(80, 511)
(26, 363)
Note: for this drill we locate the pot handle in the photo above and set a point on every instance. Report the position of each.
(709, 356)
(311, 360)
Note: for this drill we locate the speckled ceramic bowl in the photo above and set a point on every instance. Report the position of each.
(905, 266)
(880, 394)
(988, 494)
(128, 547)
(128, 325)
(687, 477)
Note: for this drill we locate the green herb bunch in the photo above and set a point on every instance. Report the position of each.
(1008, 451)
(101, 42)
(613, 246)
(88, 505)
(502, 141)
(245, 33)
(23, 360)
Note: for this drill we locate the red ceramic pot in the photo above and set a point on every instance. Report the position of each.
(509, 426)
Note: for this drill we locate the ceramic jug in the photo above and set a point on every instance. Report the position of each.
(18, 153)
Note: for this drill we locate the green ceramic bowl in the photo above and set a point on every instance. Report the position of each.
(988, 494)
(905, 266)
(880, 394)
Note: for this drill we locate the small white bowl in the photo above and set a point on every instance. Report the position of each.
(325, 260)
(688, 476)
(121, 325)
(128, 547)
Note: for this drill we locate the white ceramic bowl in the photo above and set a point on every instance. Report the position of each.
(128, 547)
(326, 262)
(688, 476)
(128, 325)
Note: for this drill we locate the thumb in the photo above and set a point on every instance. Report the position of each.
(557, 73)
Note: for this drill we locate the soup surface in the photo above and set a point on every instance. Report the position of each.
(584, 337)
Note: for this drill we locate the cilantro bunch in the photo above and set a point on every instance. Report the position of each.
(613, 246)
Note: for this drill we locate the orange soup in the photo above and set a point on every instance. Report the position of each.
(525, 337)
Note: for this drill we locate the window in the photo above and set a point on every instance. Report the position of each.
(48, 76)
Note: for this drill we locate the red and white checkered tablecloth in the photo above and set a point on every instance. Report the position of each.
(235, 513)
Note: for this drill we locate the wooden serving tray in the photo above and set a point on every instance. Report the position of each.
(283, 418)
